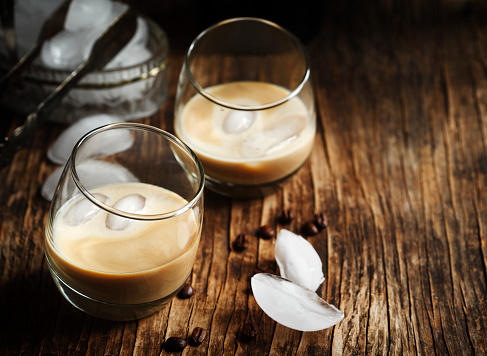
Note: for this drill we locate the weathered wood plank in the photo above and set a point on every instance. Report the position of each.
(399, 167)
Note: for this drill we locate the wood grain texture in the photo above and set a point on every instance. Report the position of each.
(399, 167)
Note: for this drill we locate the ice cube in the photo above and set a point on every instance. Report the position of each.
(95, 173)
(88, 14)
(288, 129)
(292, 305)
(130, 56)
(273, 138)
(84, 210)
(135, 51)
(237, 121)
(141, 36)
(66, 50)
(108, 143)
(49, 186)
(298, 261)
(132, 203)
(61, 149)
(255, 146)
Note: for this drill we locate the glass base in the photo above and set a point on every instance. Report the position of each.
(109, 311)
(244, 191)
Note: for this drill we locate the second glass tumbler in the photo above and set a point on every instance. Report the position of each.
(245, 105)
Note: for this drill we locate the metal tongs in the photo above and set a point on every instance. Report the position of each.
(107, 45)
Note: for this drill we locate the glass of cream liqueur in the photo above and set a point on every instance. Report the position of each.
(125, 221)
(245, 105)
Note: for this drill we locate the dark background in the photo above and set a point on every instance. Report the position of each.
(185, 19)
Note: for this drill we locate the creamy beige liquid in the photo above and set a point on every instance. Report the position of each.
(275, 144)
(146, 261)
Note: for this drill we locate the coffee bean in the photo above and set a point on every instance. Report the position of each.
(321, 221)
(250, 330)
(266, 232)
(240, 243)
(186, 292)
(175, 344)
(198, 335)
(309, 229)
(286, 217)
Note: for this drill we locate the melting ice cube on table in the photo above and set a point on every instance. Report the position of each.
(292, 305)
(95, 173)
(118, 141)
(92, 173)
(84, 210)
(132, 203)
(298, 261)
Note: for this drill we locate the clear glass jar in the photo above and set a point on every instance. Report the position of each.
(130, 93)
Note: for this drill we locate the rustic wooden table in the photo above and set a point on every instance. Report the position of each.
(399, 167)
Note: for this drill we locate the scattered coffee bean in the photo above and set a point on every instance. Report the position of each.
(266, 232)
(186, 292)
(175, 344)
(286, 217)
(198, 335)
(250, 330)
(310, 229)
(321, 221)
(240, 243)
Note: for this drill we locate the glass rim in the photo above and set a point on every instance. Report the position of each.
(141, 217)
(225, 104)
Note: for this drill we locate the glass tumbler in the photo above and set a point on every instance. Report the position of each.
(245, 105)
(125, 221)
